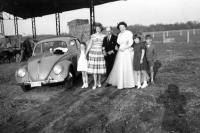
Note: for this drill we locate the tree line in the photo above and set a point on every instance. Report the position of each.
(163, 27)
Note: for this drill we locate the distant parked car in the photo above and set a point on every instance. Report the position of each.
(53, 61)
(9, 54)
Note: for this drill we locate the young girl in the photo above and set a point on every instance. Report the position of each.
(83, 65)
(140, 62)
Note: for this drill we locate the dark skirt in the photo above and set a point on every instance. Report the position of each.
(138, 67)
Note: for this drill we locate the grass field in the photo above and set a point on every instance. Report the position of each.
(105, 110)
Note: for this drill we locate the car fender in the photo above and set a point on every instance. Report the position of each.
(66, 65)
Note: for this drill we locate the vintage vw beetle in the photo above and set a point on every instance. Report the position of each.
(54, 60)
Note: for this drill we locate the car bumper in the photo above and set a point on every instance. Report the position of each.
(41, 83)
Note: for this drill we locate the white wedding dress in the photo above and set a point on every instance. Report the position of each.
(122, 74)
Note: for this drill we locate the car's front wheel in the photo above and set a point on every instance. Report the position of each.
(25, 87)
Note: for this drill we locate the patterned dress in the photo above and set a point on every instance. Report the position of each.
(96, 62)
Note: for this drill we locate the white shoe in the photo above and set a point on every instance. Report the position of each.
(99, 85)
(144, 85)
(86, 85)
(138, 86)
(94, 87)
(83, 86)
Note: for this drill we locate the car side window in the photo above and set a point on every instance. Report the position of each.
(37, 50)
(78, 45)
(73, 46)
(47, 47)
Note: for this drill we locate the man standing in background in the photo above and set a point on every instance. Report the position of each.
(110, 47)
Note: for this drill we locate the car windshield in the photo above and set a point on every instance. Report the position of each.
(50, 47)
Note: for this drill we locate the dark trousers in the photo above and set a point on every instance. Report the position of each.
(110, 59)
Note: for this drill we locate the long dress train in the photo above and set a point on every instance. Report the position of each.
(123, 74)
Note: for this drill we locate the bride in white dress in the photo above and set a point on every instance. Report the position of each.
(122, 74)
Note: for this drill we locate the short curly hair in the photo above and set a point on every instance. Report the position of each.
(148, 36)
(121, 23)
(137, 36)
(98, 25)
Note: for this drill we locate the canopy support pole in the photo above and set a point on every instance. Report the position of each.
(33, 27)
(1, 23)
(57, 24)
(16, 25)
(92, 17)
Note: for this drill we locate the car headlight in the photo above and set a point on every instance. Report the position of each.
(21, 72)
(57, 69)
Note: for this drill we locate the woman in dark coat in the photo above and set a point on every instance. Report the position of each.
(26, 50)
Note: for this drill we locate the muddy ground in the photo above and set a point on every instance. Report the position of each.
(107, 110)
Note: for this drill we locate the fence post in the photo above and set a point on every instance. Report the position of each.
(163, 37)
(188, 36)
(167, 34)
(194, 32)
(180, 32)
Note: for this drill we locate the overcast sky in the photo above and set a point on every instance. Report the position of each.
(144, 12)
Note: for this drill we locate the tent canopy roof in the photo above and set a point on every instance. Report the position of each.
(36, 8)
